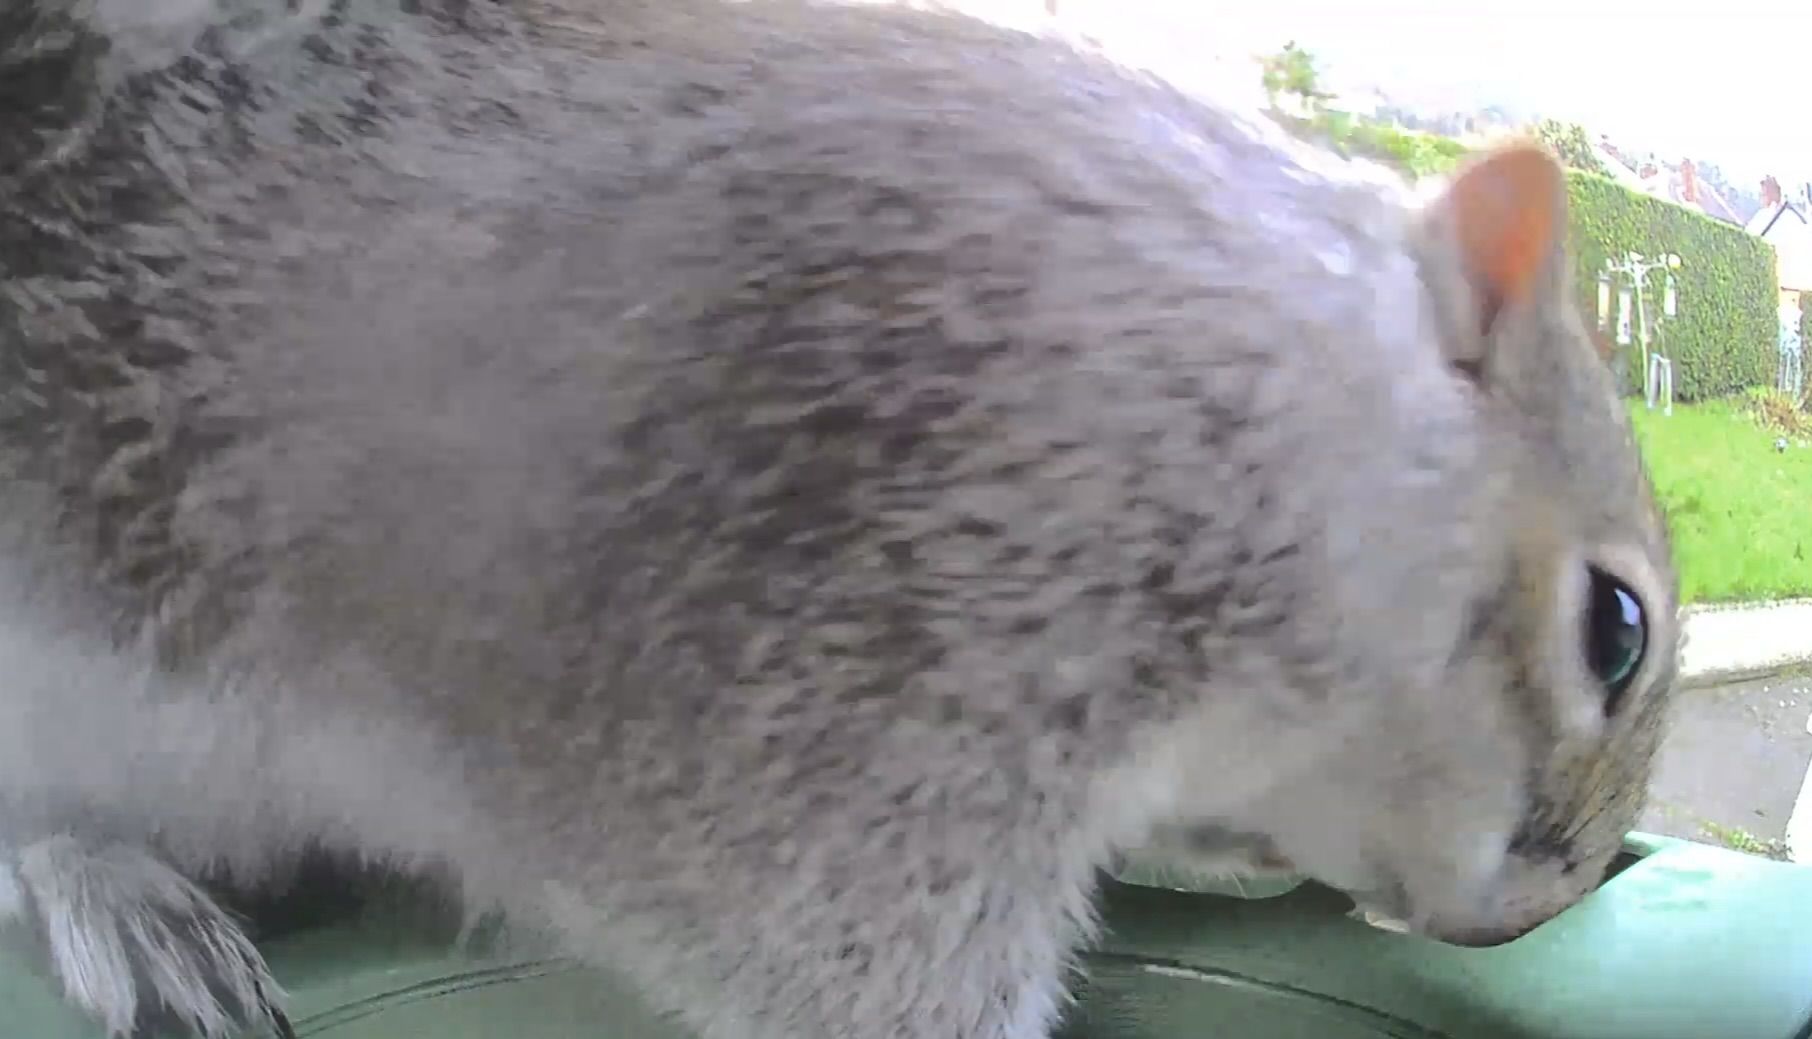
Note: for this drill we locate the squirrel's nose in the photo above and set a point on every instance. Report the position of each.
(1482, 937)
(1478, 939)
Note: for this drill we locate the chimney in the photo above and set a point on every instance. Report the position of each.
(1771, 192)
(1689, 182)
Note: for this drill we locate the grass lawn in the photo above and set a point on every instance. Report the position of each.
(1740, 512)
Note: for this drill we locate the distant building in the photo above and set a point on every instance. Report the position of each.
(1678, 183)
(1682, 185)
(1786, 223)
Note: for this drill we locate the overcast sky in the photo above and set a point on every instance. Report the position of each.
(1731, 81)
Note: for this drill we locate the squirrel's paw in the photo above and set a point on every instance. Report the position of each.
(136, 944)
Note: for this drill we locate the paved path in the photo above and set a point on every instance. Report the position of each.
(1739, 752)
(1733, 764)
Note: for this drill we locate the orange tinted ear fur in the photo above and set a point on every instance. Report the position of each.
(1507, 215)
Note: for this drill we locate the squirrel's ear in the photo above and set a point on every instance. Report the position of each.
(1501, 219)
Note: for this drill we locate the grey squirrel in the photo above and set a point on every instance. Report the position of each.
(776, 495)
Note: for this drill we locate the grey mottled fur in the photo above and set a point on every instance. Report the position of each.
(777, 494)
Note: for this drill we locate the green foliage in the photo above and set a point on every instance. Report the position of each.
(1569, 142)
(1738, 839)
(1409, 151)
(1735, 503)
(1725, 337)
(1292, 71)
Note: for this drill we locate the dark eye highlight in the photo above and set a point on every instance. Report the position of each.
(1616, 635)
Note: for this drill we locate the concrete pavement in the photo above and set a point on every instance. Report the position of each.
(1733, 764)
(1726, 643)
(1737, 765)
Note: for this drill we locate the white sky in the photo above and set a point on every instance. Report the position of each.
(1725, 80)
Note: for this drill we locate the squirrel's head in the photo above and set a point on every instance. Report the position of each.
(1498, 796)
(1578, 621)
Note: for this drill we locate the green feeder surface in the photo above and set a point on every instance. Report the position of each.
(1686, 942)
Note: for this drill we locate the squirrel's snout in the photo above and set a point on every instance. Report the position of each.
(1482, 937)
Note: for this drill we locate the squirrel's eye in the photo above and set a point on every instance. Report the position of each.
(1616, 635)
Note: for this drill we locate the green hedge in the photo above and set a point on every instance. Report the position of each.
(1724, 340)
(1410, 151)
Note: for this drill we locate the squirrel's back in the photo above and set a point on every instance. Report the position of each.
(615, 316)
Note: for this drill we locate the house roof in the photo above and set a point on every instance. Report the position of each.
(1667, 183)
(1787, 227)
(1619, 171)
(1716, 206)
(1766, 217)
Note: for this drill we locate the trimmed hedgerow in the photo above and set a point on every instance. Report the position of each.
(1724, 340)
